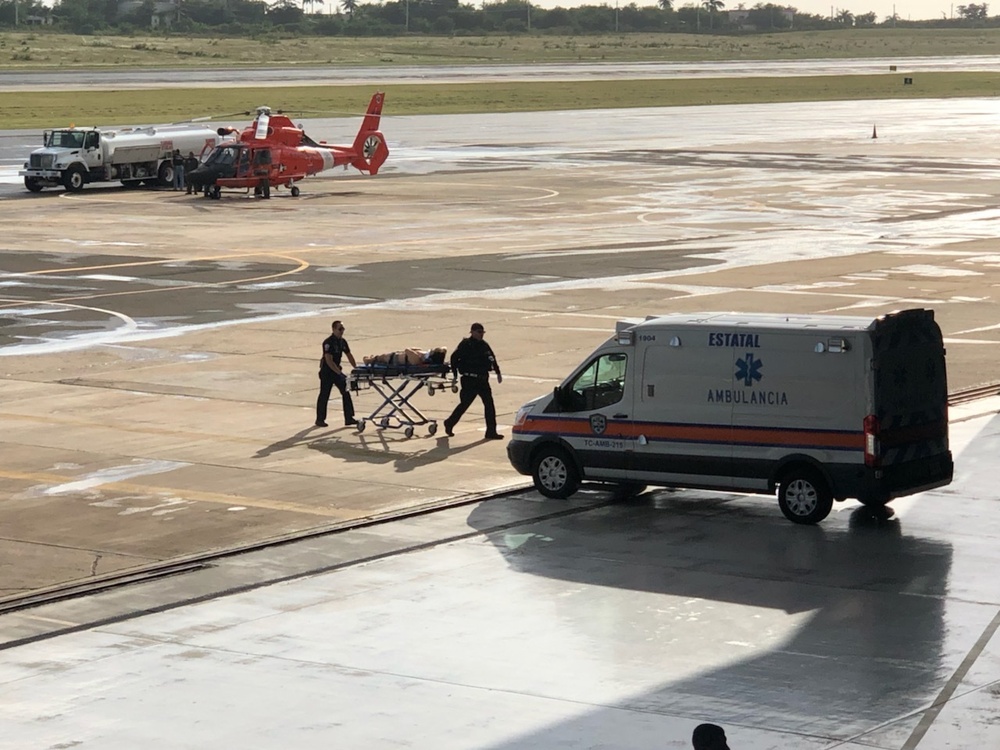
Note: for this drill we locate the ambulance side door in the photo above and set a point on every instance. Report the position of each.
(682, 417)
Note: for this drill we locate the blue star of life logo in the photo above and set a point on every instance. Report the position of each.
(748, 369)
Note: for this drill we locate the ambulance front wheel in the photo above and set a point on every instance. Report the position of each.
(554, 474)
(804, 497)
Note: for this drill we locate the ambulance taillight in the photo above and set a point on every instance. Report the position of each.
(872, 448)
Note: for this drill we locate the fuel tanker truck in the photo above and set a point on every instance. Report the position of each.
(75, 156)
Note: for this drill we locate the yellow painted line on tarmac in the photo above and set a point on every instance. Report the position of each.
(218, 498)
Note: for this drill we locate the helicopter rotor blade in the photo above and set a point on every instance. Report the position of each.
(211, 118)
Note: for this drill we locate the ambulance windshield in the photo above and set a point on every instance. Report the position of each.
(600, 384)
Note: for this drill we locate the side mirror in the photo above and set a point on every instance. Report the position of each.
(560, 397)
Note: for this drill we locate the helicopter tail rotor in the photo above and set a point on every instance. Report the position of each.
(371, 152)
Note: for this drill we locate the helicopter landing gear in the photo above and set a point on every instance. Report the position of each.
(295, 191)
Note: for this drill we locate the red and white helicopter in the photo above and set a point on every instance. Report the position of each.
(274, 152)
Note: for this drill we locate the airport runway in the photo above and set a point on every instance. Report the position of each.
(157, 375)
(381, 76)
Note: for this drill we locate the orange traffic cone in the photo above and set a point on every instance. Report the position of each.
(874, 134)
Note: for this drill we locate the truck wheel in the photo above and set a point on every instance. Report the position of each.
(74, 178)
(554, 474)
(33, 184)
(165, 175)
(804, 496)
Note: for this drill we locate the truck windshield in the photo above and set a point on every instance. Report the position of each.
(66, 139)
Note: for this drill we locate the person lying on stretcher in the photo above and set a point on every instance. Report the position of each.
(409, 356)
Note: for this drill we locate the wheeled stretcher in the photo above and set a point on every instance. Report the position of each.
(397, 384)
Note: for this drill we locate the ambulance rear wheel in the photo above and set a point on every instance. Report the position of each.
(554, 474)
(804, 497)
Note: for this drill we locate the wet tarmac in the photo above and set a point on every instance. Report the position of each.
(527, 623)
(158, 367)
(808, 183)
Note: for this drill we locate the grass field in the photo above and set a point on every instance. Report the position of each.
(23, 109)
(43, 50)
(60, 109)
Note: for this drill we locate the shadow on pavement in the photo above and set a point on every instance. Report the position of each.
(871, 600)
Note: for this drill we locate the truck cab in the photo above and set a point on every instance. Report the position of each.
(73, 157)
(67, 158)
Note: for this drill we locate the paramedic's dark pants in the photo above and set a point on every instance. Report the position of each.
(472, 386)
(327, 380)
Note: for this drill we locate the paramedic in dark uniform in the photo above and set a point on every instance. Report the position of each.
(473, 359)
(331, 374)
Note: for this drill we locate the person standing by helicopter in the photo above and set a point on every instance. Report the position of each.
(178, 169)
(190, 164)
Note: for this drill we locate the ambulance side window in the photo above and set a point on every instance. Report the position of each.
(601, 383)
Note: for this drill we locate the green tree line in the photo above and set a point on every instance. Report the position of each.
(447, 17)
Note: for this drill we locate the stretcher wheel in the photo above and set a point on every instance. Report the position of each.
(454, 388)
(384, 423)
(430, 390)
(408, 432)
(432, 428)
(361, 425)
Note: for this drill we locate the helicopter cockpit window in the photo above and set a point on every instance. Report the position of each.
(601, 383)
(222, 155)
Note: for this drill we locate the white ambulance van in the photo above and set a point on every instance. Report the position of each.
(817, 407)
